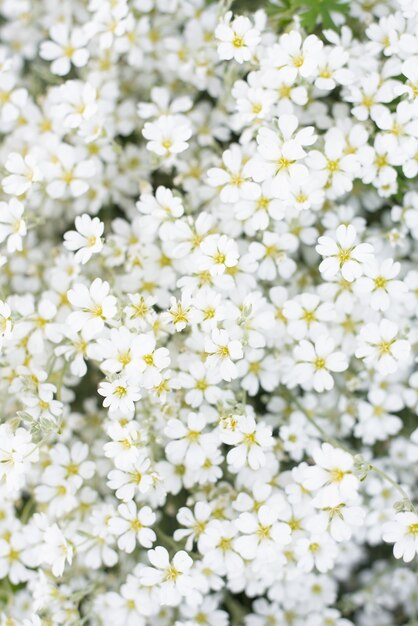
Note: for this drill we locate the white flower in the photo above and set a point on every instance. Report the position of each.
(297, 56)
(120, 394)
(218, 545)
(131, 525)
(195, 523)
(222, 353)
(56, 550)
(67, 175)
(190, 442)
(135, 477)
(262, 534)
(170, 576)
(202, 384)
(250, 441)
(403, 532)
(233, 178)
(168, 135)
(12, 226)
(86, 239)
(24, 171)
(379, 284)
(313, 364)
(332, 474)
(318, 551)
(342, 254)
(65, 49)
(76, 103)
(14, 556)
(17, 453)
(238, 38)
(95, 307)
(280, 153)
(219, 252)
(379, 346)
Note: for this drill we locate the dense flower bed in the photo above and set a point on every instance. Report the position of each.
(208, 314)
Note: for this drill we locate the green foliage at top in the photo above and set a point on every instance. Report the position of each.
(320, 11)
(312, 13)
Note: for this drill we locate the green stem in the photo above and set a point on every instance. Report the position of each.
(27, 511)
(235, 609)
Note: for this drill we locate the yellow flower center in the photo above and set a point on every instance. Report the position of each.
(238, 42)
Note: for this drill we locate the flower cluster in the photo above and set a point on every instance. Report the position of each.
(208, 315)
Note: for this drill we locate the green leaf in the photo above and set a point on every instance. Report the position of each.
(315, 11)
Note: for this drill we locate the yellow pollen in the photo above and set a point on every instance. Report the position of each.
(279, 315)
(97, 311)
(308, 316)
(139, 310)
(223, 352)
(201, 384)
(344, 256)
(285, 91)
(13, 555)
(219, 258)
(4, 97)
(250, 439)
(271, 250)
(283, 164)
(171, 573)
(238, 42)
(124, 358)
(167, 144)
(333, 166)
(263, 203)
(72, 469)
(413, 529)
(384, 347)
(137, 477)
(199, 527)
(254, 367)
(319, 363)
(380, 282)
(314, 547)
(263, 532)
(237, 180)
(337, 475)
(120, 391)
(136, 525)
(367, 102)
(68, 177)
(225, 544)
(381, 161)
(294, 524)
(209, 313)
(298, 61)
(149, 359)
